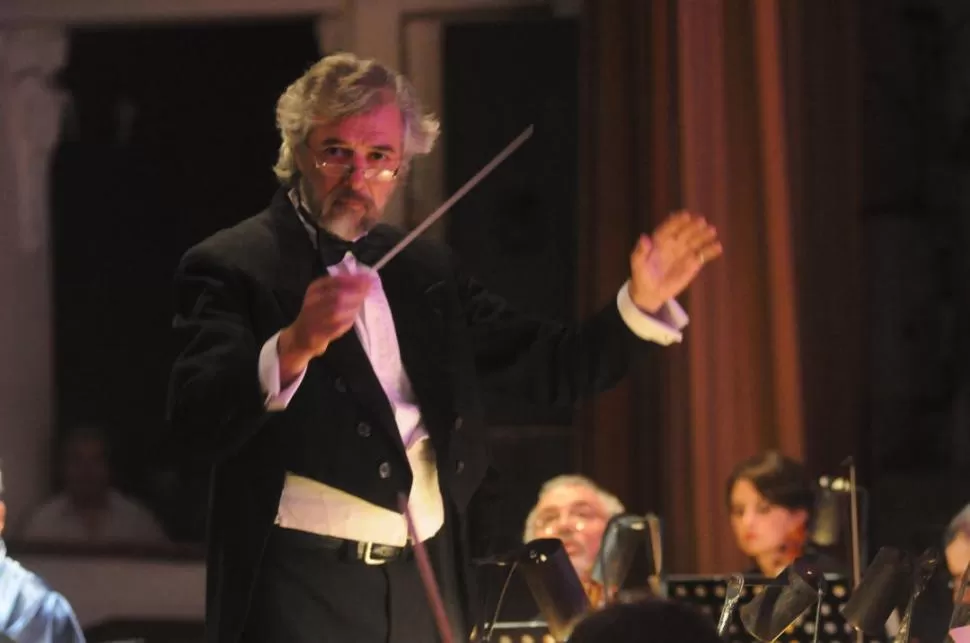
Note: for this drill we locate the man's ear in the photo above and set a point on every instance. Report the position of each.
(3, 516)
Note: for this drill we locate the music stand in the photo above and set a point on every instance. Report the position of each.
(707, 594)
(622, 537)
(554, 585)
(884, 588)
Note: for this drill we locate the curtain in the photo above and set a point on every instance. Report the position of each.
(687, 104)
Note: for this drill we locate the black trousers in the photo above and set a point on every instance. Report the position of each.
(305, 594)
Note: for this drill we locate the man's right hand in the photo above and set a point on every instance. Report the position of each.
(330, 306)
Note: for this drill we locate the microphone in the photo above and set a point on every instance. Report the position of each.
(733, 594)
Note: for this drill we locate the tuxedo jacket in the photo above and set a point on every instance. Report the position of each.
(243, 284)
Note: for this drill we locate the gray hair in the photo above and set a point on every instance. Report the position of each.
(959, 525)
(342, 85)
(611, 504)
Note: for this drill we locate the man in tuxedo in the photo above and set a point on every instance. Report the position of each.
(323, 389)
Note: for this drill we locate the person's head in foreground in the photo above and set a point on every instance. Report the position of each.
(350, 128)
(650, 621)
(575, 510)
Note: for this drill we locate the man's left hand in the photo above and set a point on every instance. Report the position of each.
(663, 264)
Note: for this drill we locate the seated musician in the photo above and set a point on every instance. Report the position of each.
(931, 616)
(771, 502)
(574, 509)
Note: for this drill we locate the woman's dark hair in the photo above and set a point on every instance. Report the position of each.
(781, 480)
(656, 621)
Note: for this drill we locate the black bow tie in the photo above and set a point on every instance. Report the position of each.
(367, 250)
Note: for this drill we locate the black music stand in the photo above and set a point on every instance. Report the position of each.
(707, 594)
(884, 588)
(554, 585)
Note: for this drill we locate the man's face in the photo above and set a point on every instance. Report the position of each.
(86, 472)
(576, 515)
(957, 559)
(349, 203)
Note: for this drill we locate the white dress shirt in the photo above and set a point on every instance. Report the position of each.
(312, 506)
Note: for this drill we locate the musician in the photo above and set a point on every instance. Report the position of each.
(957, 543)
(933, 609)
(29, 609)
(322, 390)
(771, 500)
(575, 510)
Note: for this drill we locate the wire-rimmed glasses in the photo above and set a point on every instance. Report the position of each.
(376, 169)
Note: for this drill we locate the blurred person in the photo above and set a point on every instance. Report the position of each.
(575, 510)
(30, 612)
(956, 542)
(934, 607)
(89, 511)
(650, 621)
(323, 390)
(771, 501)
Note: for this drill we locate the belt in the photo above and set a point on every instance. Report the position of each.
(369, 553)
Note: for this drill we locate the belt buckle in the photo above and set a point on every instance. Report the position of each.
(366, 554)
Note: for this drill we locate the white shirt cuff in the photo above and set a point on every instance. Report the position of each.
(663, 328)
(269, 377)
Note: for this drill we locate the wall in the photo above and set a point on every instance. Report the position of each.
(102, 589)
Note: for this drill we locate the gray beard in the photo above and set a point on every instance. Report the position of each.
(334, 217)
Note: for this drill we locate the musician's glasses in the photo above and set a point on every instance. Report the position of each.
(577, 517)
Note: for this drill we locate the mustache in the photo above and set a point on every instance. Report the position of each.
(349, 194)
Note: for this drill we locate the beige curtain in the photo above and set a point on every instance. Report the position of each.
(686, 106)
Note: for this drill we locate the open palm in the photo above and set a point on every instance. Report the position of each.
(663, 264)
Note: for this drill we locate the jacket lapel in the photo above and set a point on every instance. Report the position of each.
(297, 260)
(415, 295)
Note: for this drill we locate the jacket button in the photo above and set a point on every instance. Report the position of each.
(340, 385)
(459, 422)
(363, 430)
(459, 466)
(384, 470)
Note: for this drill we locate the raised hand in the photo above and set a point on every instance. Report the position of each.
(662, 265)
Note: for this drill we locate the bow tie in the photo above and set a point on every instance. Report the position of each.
(367, 250)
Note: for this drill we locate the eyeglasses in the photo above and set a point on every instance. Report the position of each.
(339, 161)
(577, 518)
(381, 174)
